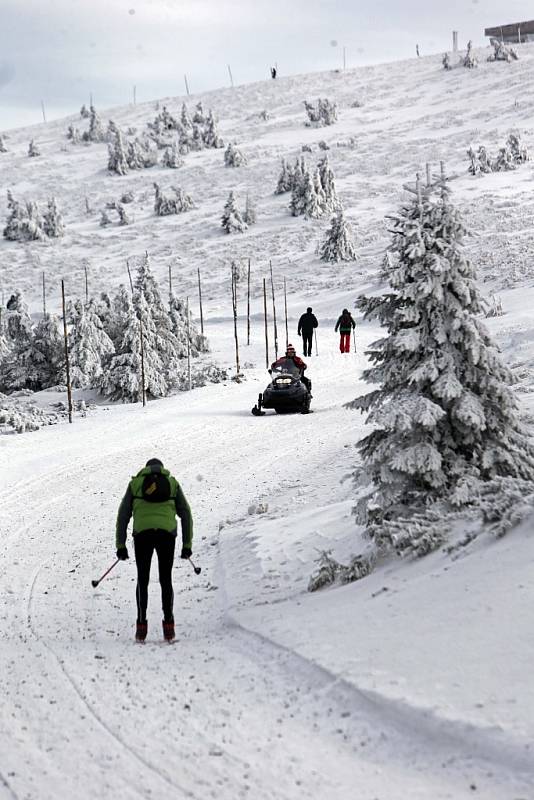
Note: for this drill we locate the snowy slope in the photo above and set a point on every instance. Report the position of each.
(413, 683)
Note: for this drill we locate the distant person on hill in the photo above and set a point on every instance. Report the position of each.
(345, 325)
(273, 73)
(307, 324)
(154, 498)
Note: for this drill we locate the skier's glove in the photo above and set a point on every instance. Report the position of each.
(122, 553)
(186, 553)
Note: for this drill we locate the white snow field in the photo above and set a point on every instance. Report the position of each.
(413, 683)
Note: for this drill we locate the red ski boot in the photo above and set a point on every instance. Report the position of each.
(141, 631)
(168, 631)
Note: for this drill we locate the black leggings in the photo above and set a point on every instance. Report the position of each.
(163, 543)
(307, 341)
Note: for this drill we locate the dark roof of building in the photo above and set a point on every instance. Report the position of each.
(510, 30)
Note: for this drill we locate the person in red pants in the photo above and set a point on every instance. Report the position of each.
(345, 325)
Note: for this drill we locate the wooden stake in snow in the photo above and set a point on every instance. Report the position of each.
(248, 303)
(86, 284)
(285, 312)
(200, 303)
(231, 76)
(135, 95)
(170, 283)
(67, 364)
(129, 275)
(186, 85)
(274, 314)
(265, 320)
(43, 110)
(188, 330)
(44, 296)
(234, 307)
(419, 195)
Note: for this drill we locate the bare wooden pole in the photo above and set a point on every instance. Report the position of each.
(43, 110)
(231, 76)
(186, 85)
(285, 312)
(86, 284)
(141, 335)
(67, 364)
(234, 307)
(265, 321)
(188, 345)
(129, 275)
(200, 303)
(248, 303)
(274, 313)
(135, 95)
(170, 283)
(428, 175)
(44, 296)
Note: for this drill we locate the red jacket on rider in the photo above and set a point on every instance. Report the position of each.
(297, 361)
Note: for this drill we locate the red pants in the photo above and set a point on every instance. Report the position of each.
(344, 342)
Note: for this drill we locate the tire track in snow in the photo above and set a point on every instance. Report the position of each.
(117, 738)
(443, 740)
(5, 783)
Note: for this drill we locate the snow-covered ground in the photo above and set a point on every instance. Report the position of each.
(414, 683)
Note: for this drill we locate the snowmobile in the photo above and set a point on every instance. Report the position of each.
(286, 393)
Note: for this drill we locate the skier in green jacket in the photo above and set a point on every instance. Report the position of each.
(154, 498)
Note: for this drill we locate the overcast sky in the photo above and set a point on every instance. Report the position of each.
(59, 51)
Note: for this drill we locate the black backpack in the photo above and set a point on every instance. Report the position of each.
(156, 488)
(346, 321)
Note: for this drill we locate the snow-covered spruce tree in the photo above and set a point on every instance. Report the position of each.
(24, 223)
(231, 220)
(311, 201)
(178, 315)
(140, 155)
(338, 245)
(53, 225)
(172, 158)
(470, 60)
(198, 116)
(196, 140)
(324, 113)
(285, 179)
(96, 131)
(84, 113)
(3, 148)
(33, 149)
(328, 184)
(90, 346)
(73, 134)
(210, 135)
(45, 356)
(104, 219)
(300, 180)
(504, 162)
(518, 150)
(484, 159)
(249, 215)
(185, 119)
(474, 163)
(233, 157)
(445, 418)
(165, 206)
(117, 161)
(18, 333)
(14, 222)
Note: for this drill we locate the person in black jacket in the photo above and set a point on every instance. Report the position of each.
(307, 324)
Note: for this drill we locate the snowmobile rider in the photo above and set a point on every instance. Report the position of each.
(307, 323)
(346, 325)
(154, 498)
(291, 354)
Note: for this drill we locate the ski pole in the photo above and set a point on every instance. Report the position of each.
(94, 584)
(198, 570)
(316, 350)
(354, 338)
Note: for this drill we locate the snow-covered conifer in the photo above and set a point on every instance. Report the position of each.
(210, 136)
(518, 150)
(90, 346)
(285, 179)
(196, 140)
(484, 159)
(53, 225)
(474, 163)
(96, 131)
(470, 60)
(117, 160)
(124, 218)
(233, 157)
(444, 417)
(198, 116)
(300, 180)
(73, 134)
(104, 218)
(178, 315)
(231, 220)
(328, 184)
(14, 222)
(84, 113)
(3, 148)
(164, 205)
(33, 149)
(45, 356)
(18, 333)
(504, 162)
(311, 201)
(185, 119)
(338, 245)
(172, 157)
(322, 114)
(446, 61)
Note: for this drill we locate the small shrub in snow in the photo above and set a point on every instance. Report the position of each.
(285, 179)
(165, 205)
(73, 134)
(501, 52)
(104, 219)
(504, 161)
(53, 225)
(96, 131)
(33, 149)
(249, 215)
(495, 310)
(322, 114)
(331, 572)
(124, 218)
(469, 60)
(306, 148)
(322, 145)
(127, 197)
(21, 415)
(357, 104)
(446, 61)
(231, 220)
(171, 157)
